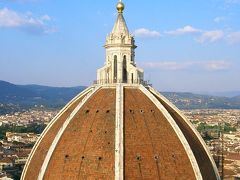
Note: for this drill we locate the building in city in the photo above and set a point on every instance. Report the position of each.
(21, 137)
(120, 128)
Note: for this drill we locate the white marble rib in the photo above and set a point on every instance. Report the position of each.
(60, 133)
(119, 141)
(192, 127)
(177, 130)
(54, 120)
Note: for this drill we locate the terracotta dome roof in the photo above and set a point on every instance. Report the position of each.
(124, 131)
(120, 129)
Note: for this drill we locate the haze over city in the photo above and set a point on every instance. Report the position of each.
(182, 45)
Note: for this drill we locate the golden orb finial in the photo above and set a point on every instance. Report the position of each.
(120, 7)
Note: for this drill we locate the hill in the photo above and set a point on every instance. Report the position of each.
(196, 101)
(236, 98)
(25, 96)
(229, 94)
(20, 97)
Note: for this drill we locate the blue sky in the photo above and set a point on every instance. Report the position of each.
(189, 46)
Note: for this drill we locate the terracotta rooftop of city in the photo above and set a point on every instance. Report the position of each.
(120, 128)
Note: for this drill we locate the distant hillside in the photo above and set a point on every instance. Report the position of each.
(12, 93)
(229, 94)
(30, 95)
(19, 97)
(236, 98)
(196, 101)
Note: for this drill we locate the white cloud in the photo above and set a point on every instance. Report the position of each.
(45, 18)
(191, 65)
(216, 65)
(219, 19)
(165, 65)
(200, 35)
(233, 38)
(233, 1)
(145, 33)
(10, 18)
(211, 36)
(26, 22)
(185, 30)
(23, 1)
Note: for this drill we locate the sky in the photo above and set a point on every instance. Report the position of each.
(191, 46)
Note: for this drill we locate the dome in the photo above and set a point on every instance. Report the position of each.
(120, 130)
